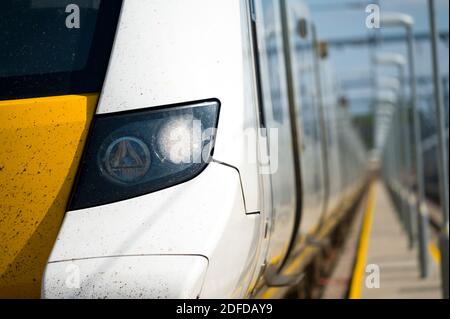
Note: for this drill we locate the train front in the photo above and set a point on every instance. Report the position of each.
(122, 168)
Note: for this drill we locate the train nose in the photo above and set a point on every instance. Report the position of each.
(126, 277)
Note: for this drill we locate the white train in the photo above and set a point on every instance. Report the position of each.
(180, 192)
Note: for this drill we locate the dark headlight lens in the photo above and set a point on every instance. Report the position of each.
(135, 153)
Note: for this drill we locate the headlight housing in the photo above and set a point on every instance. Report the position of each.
(134, 153)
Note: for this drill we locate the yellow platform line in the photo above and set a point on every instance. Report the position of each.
(434, 252)
(358, 273)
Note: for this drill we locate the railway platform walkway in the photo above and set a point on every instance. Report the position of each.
(385, 266)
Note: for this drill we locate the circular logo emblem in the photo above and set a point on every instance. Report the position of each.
(127, 160)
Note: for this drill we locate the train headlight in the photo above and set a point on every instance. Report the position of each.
(180, 140)
(135, 153)
(127, 159)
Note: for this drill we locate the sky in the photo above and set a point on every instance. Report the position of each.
(335, 19)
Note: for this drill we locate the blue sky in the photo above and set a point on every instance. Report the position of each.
(334, 21)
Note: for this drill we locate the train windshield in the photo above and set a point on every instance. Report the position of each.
(54, 47)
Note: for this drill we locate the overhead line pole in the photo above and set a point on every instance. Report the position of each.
(443, 161)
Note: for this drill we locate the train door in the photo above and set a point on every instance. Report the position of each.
(330, 101)
(283, 189)
(318, 55)
(308, 121)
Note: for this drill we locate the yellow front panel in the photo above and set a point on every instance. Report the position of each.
(41, 142)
